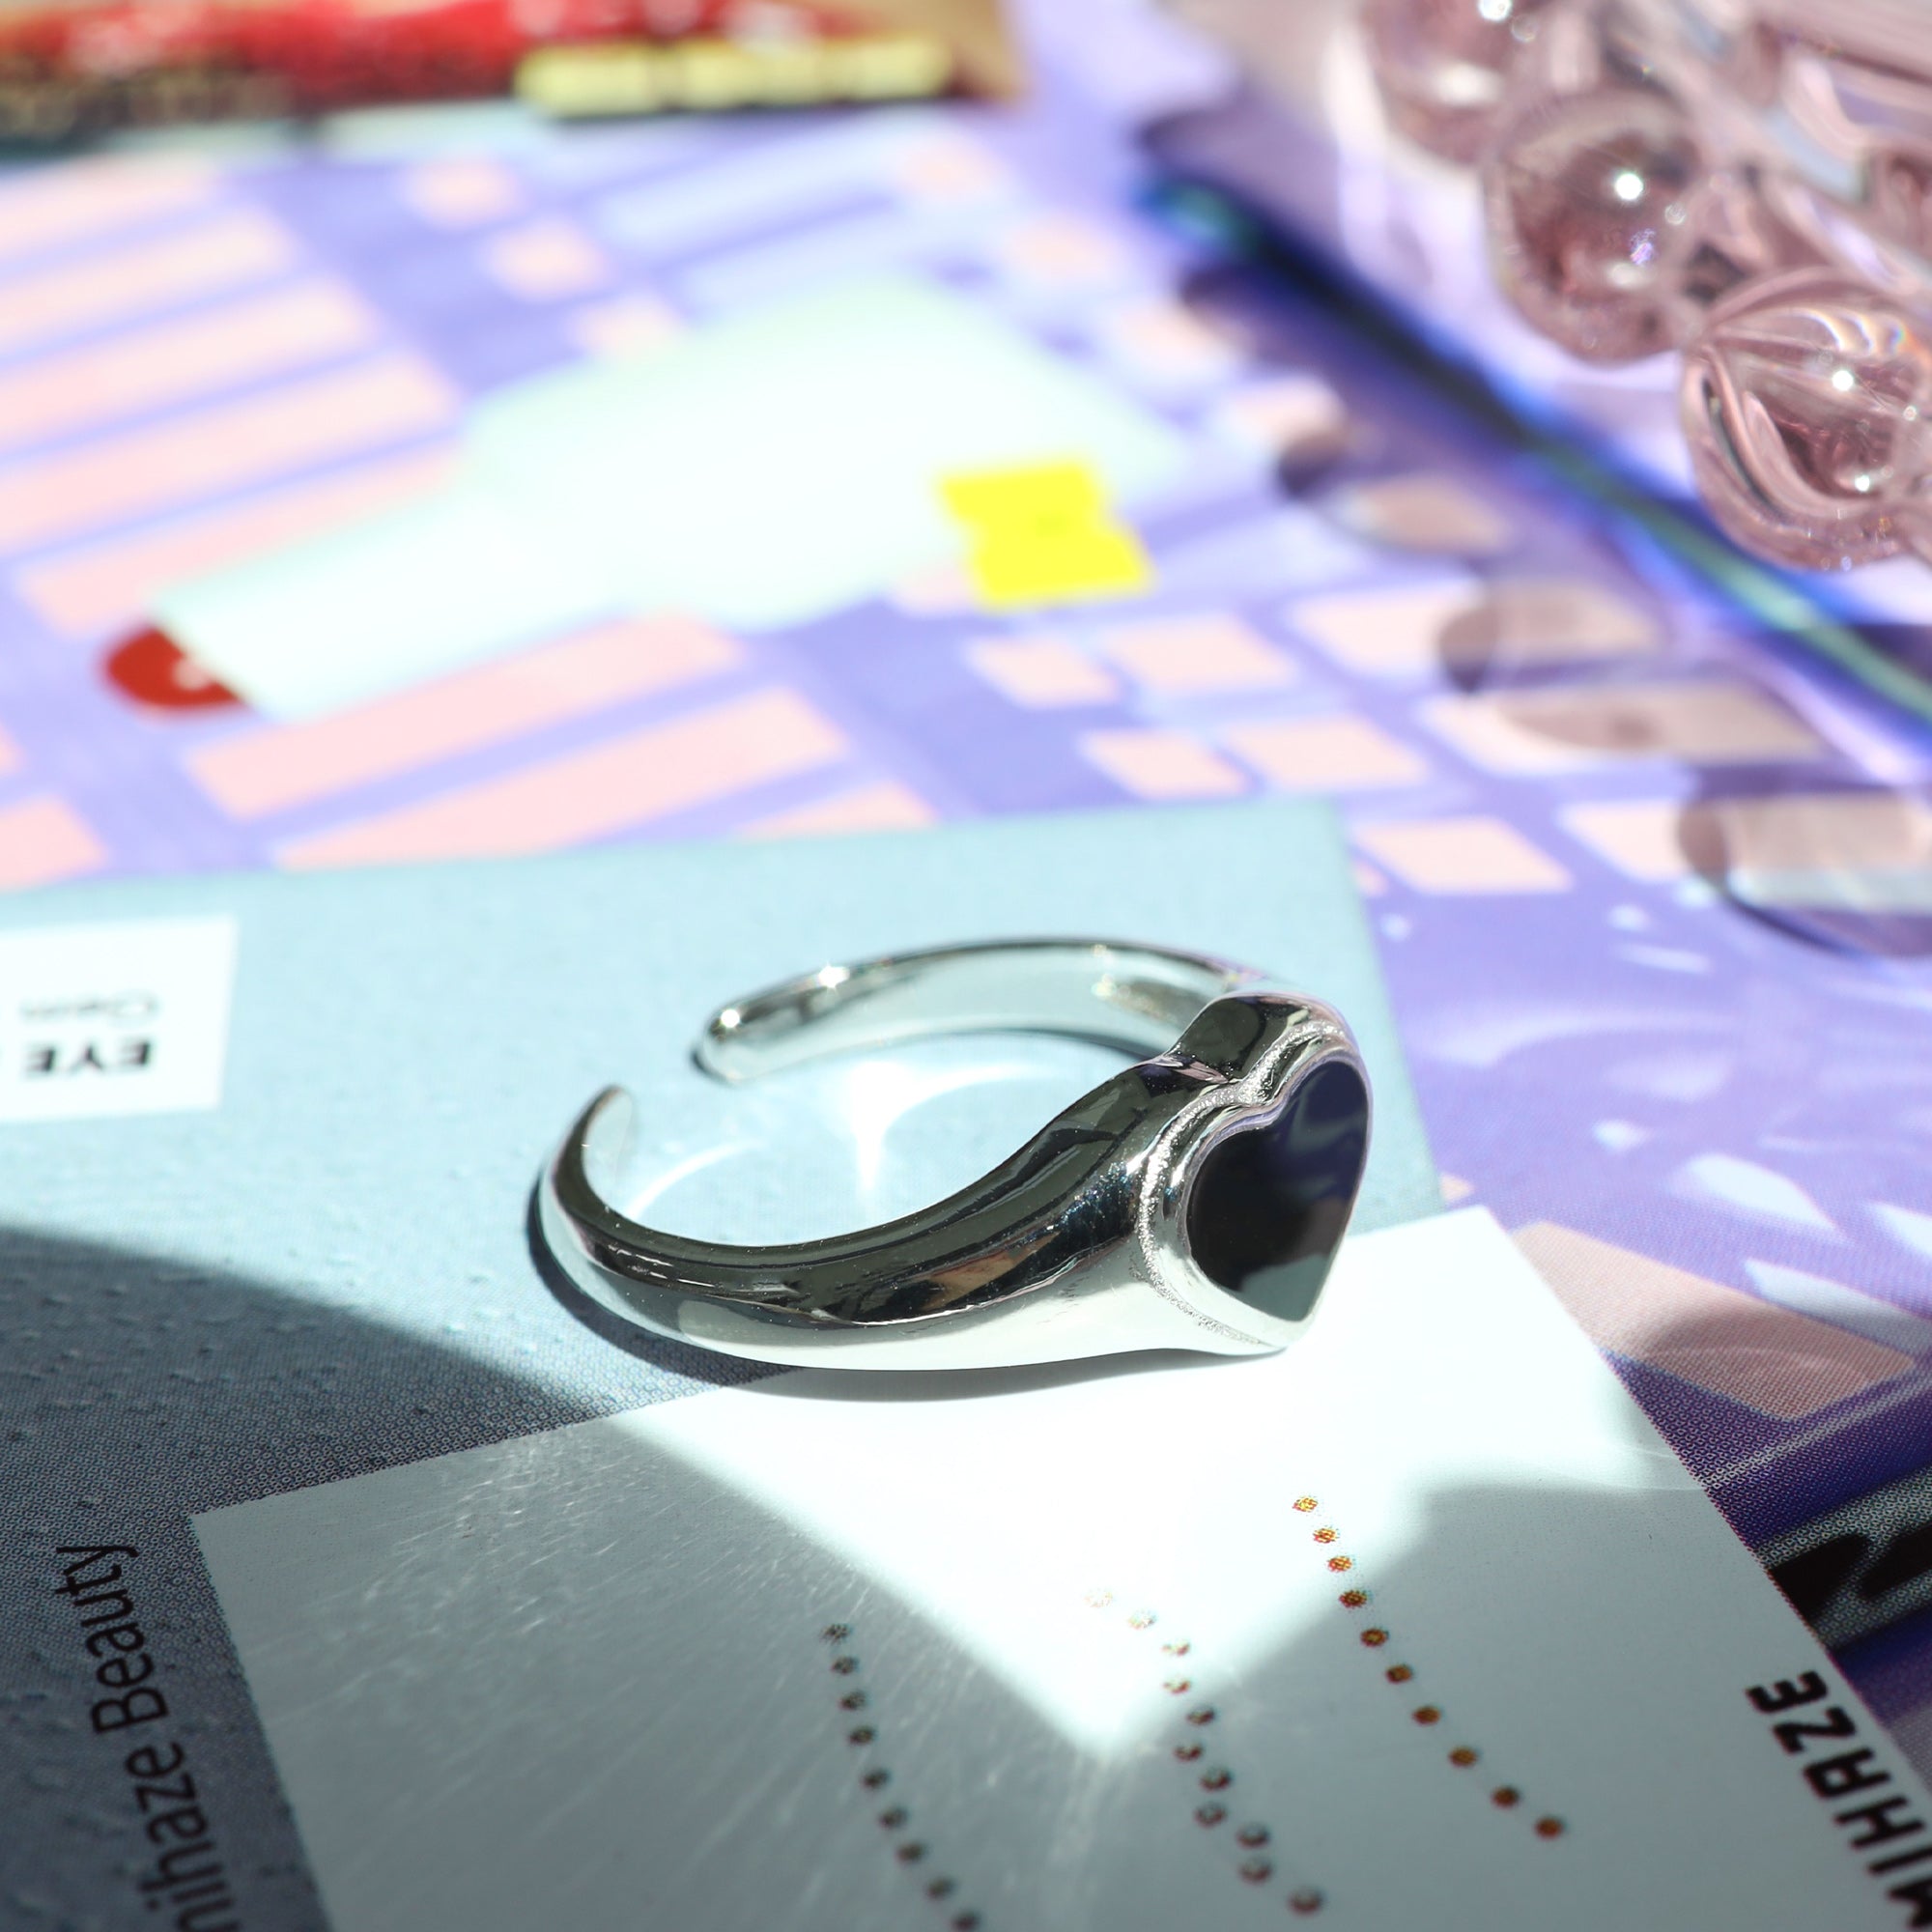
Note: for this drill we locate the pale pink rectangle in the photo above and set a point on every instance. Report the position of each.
(884, 806)
(1476, 853)
(54, 206)
(1166, 341)
(81, 388)
(1724, 1341)
(1331, 754)
(149, 469)
(42, 839)
(625, 325)
(1859, 836)
(1434, 515)
(1042, 673)
(1210, 655)
(546, 261)
(1642, 838)
(225, 251)
(462, 191)
(1162, 764)
(949, 168)
(272, 769)
(1387, 632)
(631, 781)
(86, 591)
(1293, 415)
(1853, 833)
(1696, 722)
(1062, 250)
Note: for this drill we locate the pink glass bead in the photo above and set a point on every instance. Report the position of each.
(1807, 405)
(1444, 65)
(1592, 206)
(1901, 193)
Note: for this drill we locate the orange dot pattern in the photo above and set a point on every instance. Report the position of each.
(1214, 1783)
(1505, 1797)
(896, 1820)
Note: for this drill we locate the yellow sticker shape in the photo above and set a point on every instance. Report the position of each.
(1044, 533)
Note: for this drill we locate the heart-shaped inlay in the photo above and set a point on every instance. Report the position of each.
(1269, 1202)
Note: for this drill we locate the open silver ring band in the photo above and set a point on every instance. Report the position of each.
(1193, 1201)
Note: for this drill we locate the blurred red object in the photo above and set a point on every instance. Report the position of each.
(67, 69)
(152, 669)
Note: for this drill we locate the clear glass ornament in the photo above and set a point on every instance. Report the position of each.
(1590, 202)
(1808, 404)
(1750, 180)
(1444, 66)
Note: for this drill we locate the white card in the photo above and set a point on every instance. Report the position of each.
(1419, 1623)
(129, 1017)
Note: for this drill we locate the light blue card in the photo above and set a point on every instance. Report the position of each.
(327, 1271)
(406, 1045)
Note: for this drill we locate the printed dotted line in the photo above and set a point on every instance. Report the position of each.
(1504, 1797)
(1257, 1864)
(894, 1820)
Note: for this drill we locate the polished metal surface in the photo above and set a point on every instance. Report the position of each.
(1193, 1201)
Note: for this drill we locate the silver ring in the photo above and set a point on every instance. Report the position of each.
(1194, 1201)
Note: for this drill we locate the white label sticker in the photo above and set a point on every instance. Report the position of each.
(122, 1018)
